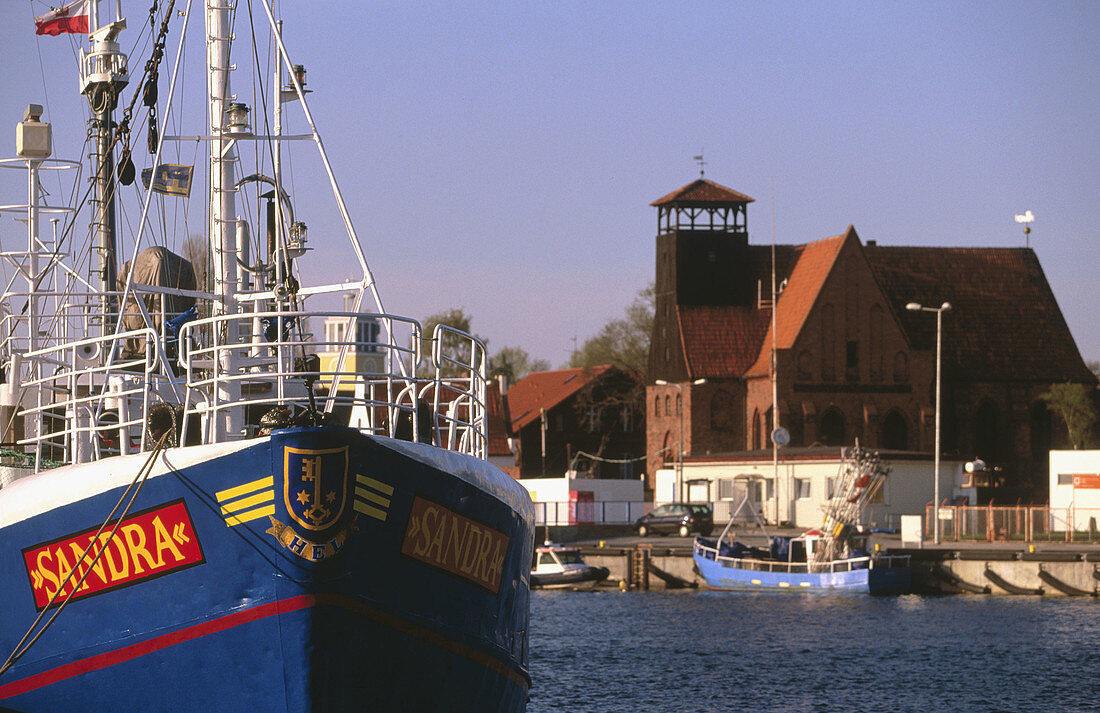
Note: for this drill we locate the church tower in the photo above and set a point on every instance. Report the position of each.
(702, 260)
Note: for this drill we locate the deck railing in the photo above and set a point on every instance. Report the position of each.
(763, 565)
(87, 398)
(1023, 523)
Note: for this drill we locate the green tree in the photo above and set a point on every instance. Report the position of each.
(623, 342)
(455, 346)
(515, 363)
(1073, 403)
(195, 250)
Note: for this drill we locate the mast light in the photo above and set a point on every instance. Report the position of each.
(237, 119)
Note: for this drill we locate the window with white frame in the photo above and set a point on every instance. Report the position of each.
(626, 418)
(592, 423)
(802, 488)
(725, 489)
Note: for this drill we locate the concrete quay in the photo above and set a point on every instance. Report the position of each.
(1058, 569)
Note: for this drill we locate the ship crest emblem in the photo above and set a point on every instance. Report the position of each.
(315, 486)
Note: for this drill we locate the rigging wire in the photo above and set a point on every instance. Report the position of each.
(139, 481)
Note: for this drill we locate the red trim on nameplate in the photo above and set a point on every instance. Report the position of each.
(245, 616)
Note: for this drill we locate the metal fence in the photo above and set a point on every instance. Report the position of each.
(621, 512)
(1025, 523)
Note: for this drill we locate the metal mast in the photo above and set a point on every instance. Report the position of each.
(227, 121)
(103, 76)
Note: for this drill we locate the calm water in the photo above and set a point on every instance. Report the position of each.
(724, 651)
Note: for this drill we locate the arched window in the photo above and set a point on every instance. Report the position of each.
(1041, 440)
(679, 404)
(901, 367)
(875, 343)
(657, 405)
(830, 430)
(756, 437)
(828, 342)
(895, 431)
(805, 365)
(668, 405)
(987, 445)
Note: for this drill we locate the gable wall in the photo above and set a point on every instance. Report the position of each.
(850, 356)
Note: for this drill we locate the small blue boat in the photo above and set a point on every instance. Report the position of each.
(736, 566)
(832, 559)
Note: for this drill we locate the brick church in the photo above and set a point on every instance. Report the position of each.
(851, 361)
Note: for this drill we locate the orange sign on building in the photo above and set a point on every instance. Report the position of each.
(454, 543)
(145, 545)
(1086, 481)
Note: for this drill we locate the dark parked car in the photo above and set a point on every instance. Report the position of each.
(681, 518)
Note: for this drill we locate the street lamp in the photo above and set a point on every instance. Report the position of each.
(679, 495)
(918, 307)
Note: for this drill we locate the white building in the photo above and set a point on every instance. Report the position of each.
(795, 490)
(1075, 487)
(576, 501)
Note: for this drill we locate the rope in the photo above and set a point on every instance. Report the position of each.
(139, 481)
(609, 460)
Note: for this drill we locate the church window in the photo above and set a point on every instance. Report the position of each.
(901, 367)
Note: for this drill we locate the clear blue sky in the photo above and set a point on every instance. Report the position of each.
(501, 157)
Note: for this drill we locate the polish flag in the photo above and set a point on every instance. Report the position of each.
(68, 18)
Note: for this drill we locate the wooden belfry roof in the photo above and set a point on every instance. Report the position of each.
(702, 193)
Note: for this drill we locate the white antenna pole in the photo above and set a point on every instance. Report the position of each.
(1026, 217)
(775, 370)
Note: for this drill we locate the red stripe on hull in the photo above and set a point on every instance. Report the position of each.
(127, 653)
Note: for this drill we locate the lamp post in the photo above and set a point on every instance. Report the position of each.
(918, 307)
(678, 494)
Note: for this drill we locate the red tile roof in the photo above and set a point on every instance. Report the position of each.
(545, 390)
(1004, 323)
(721, 341)
(702, 193)
(811, 265)
(497, 420)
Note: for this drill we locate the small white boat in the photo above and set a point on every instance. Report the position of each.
(561, 567)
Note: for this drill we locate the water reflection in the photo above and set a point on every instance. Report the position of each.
(725, 651)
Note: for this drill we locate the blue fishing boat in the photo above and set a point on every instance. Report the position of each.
(834, 558)
(204, 504)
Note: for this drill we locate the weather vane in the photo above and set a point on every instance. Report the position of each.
(699, 160)
(1026, 219)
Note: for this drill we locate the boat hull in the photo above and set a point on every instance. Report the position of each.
(579, 578)
(415, 569)
(746, 575)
